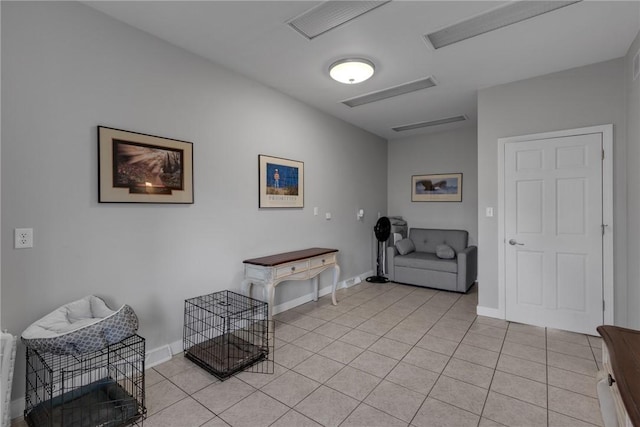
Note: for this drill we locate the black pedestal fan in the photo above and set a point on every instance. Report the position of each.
(382, 231)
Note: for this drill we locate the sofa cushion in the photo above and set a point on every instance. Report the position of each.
(445, 252)
(427, 239)
(405, 246)
(426, 261)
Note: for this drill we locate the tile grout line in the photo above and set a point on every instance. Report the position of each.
(493, 374)
(397, 363)
(400, 360)
(448, 361)
(458, 305)
(345, 365)
(290, 369)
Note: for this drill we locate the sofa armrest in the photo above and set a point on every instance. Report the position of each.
(391, 255)
(467, 268)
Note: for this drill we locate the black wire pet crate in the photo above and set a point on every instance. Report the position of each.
(226, 332)
(102, 388)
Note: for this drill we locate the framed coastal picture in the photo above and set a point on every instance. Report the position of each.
(139, 168)
(436, 188)
(281, 182)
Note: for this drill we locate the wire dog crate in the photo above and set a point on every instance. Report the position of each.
(226, 332)
(103, 388)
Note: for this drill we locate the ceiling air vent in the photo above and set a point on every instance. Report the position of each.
(390, 92)
(512, 13)
(329, 15)
(431, 123)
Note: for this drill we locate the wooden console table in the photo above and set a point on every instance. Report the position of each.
(306, 264)
(621, 360)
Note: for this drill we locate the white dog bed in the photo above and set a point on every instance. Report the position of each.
(80, 327)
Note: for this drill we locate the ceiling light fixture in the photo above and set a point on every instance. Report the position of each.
(351, 70)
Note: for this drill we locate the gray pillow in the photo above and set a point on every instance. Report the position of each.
(405, 246)
(445, 252)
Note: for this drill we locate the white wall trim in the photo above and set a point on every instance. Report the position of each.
(17, 408)
(607, 211)
(502, 309)
(607, 218)
(164, 353)
(159, 355)
(347, 283)
(488, 312)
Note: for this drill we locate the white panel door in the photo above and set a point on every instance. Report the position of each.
(553, 232)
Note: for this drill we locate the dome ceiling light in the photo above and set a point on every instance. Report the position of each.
(351, 70)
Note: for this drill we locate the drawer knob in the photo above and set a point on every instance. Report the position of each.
(293, 269)
(323, 261)
(610, 380)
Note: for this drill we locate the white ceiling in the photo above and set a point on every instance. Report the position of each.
(252, 38)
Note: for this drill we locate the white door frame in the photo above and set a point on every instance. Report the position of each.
(607, 212)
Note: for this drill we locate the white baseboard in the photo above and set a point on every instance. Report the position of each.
(296, 302)
(176, 347)
(489, 312)
(164, 353)
(17, 408)
(158, 355)
(347, 283)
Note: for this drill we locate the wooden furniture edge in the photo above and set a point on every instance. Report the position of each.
(285, 257)
(623, 345)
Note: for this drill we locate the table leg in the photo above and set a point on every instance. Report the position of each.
(315, 288)
(336, 273)
(246, 287)
(269, 292)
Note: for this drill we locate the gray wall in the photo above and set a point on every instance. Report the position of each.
(633, 186)
(445, 152)
(67, 68)
(579, 97)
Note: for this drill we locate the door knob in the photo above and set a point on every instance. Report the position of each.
(512, 242)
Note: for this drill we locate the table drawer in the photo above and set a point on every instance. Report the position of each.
(326, 259)
(259, 273)
(291, 269)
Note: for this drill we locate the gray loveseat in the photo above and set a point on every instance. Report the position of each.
(441, 259)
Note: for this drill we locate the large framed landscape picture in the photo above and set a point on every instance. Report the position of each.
(281, 182)
(436, 188)
(140, 168)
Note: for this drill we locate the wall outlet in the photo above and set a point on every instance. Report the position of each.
(23, 238)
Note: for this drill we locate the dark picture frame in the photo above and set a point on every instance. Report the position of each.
(281, 182)
(139, 168)
(445, 187)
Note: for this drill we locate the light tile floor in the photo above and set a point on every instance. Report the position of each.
(392, 355)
